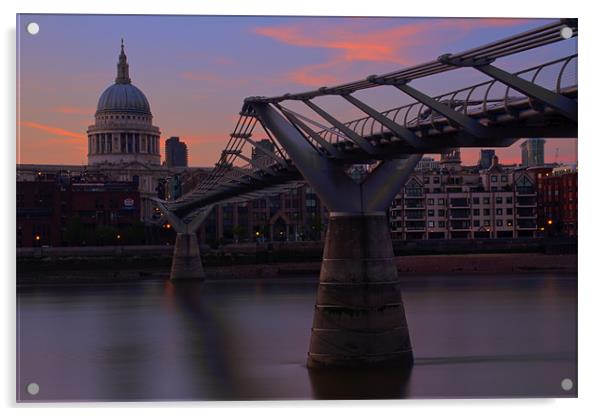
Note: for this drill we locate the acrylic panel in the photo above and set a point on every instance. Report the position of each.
(276, 208)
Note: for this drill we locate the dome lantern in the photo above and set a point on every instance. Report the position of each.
(123, 69)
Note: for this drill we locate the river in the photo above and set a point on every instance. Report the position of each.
(473, 336)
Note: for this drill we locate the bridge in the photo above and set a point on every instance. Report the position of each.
(359, 317)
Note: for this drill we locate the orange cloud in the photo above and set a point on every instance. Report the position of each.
(350, 43)
(52, 130)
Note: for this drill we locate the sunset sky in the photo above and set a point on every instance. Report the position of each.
(196, 71)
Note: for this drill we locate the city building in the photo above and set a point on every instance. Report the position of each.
(486, 158)
(123, 146)
(67, 208)
(296, 215)
(466, 203)
(427, 163)
(176, 153)
(532, 152)
(559, 201)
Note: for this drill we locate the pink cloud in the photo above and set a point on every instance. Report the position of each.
(57, 131)
(351, 43)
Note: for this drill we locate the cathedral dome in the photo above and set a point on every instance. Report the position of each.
(123, 130)
(123, 96)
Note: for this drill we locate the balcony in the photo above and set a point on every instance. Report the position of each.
(415, 226)
(413, 193)
(525, 190)
(526, 213)
(459, 214)
(459, 203)
(414, 215)
(459, 225)
(526, 224)
(526, 201)
(413, 205)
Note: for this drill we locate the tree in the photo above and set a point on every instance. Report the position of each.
(105, 234)
(75, 233)
(239, 233)
(135, 233)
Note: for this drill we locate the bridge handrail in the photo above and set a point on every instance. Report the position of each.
(469, 104)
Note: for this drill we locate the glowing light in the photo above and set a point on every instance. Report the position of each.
(37, 238)
(257, 233)
(167, 225)
(118, 236)
(550, 222)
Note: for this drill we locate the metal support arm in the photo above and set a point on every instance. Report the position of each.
(364, 144)
(334, 187)
(179, 225)
(403, 133)
(564, 105)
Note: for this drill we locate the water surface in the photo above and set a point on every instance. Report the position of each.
(474, 336)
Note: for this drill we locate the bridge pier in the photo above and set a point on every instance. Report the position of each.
(359, 319)
(186, 262)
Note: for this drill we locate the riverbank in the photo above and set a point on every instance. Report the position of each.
(408, 267)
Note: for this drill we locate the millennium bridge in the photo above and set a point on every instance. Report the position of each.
(359, 317)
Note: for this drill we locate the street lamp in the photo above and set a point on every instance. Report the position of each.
(550, 222)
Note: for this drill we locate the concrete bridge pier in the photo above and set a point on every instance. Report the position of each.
(359, 319)
(186, 262)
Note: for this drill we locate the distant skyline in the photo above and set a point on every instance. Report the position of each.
(196, 71)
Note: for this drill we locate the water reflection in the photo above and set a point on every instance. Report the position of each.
(345, 384)
(248, 340)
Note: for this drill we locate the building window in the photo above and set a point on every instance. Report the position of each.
(426, 179)
(476, 201)
(476, 223)
(508, 211)
(508, 199)
(498, 199)
(431, 224)
(486, 201)
(441, 212)
(430, 201)
(431, 212)
(441, 224)
(498, 211)
(494, 178)
(476, 211)
(486, 223)
(499, 223)
(486, 211)
(509, 223)
(441, 201)
(504, 178)
(436, 180)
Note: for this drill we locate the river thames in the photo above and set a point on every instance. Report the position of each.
(473, 336)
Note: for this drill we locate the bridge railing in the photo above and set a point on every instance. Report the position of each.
(476, 100)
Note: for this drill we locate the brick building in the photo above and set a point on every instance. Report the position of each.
(558, 201)
(60, 209)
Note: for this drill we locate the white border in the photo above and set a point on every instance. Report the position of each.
(589, 218)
